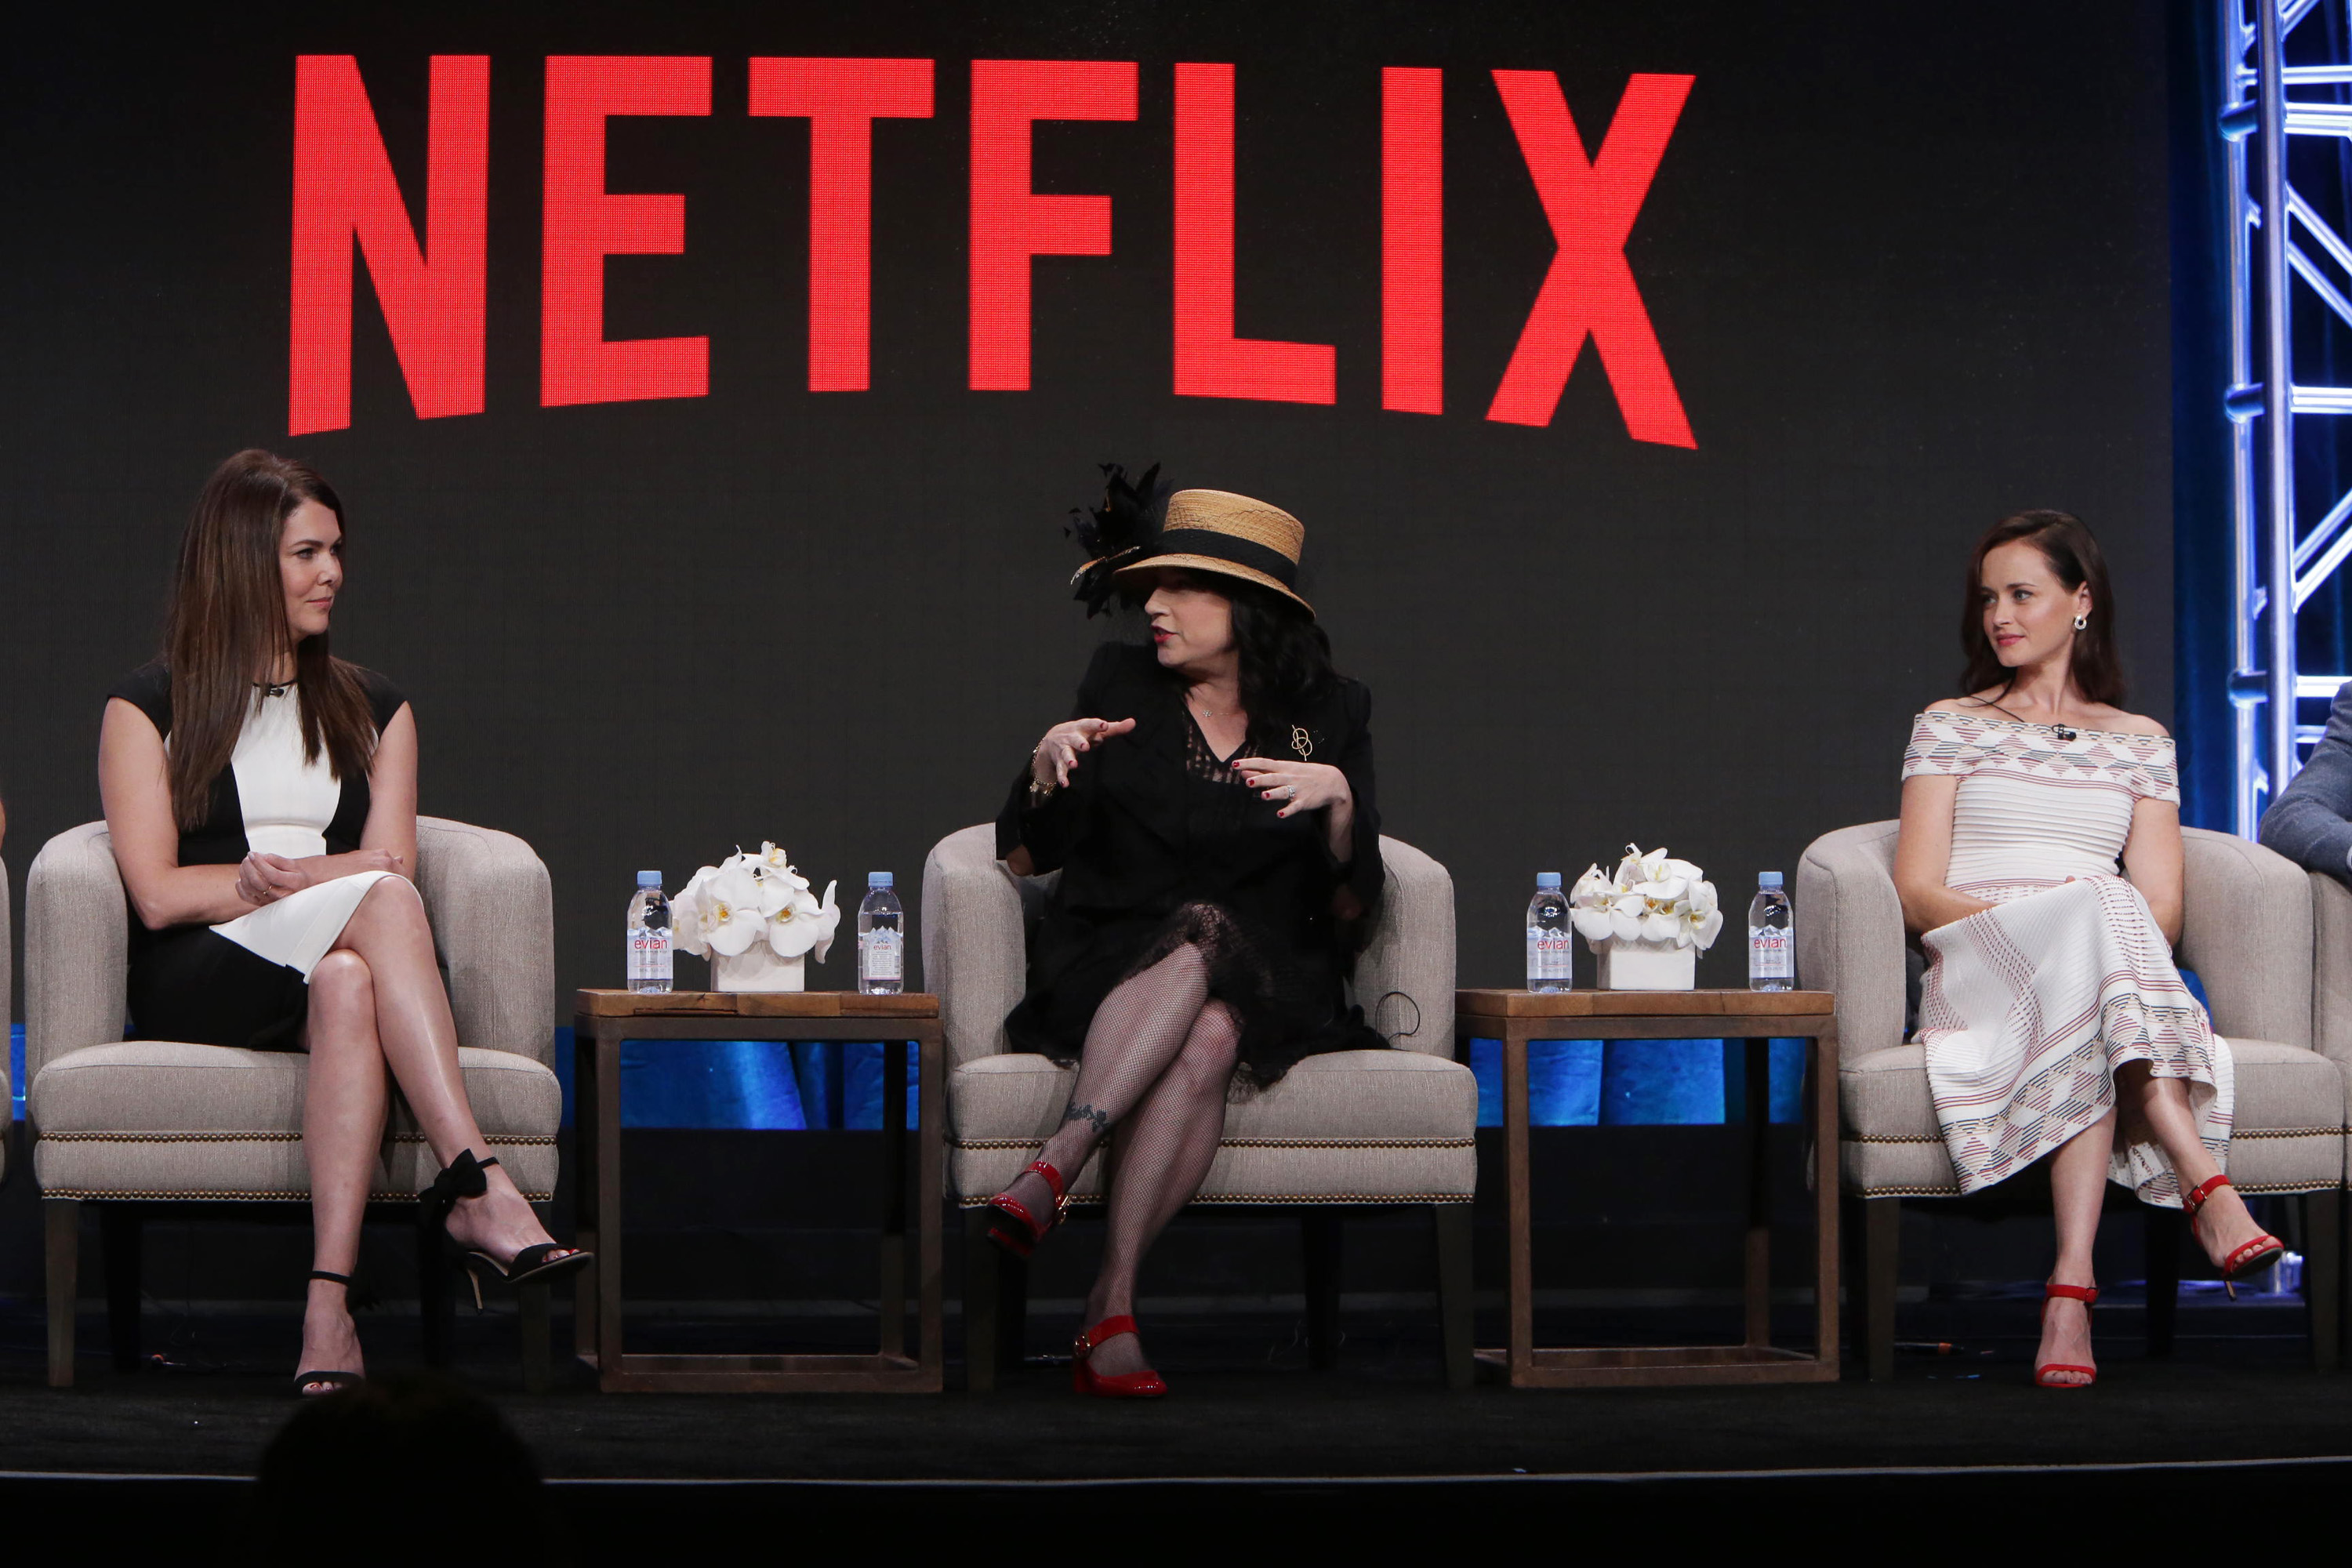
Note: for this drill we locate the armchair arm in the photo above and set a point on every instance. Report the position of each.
(77, 947)
(492, 909)
(1405, 977)
(1850, 932)
(974, 942)
(2245, 929)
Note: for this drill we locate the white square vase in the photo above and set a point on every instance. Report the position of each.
(758, 969)
(1644, 965)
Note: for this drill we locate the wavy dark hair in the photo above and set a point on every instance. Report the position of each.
(2073, 554)
(1286, 656)
(226, 630)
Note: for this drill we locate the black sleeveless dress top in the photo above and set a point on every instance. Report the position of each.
(188, 981)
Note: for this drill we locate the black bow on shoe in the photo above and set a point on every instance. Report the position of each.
(463, 1177)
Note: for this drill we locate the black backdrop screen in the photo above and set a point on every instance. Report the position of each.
(666, 568)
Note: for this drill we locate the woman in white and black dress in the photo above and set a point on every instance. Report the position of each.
(261, 796)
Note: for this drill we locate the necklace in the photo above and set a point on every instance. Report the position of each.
(2063, 732)
(1200, 710)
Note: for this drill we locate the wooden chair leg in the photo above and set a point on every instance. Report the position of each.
(980, 1285)
(120, 1241)
(1451, 1223)
(537, 1363)
(435, 1312)
(1321, 1231)
(1882, 1258)
(2323, 1274)
(2164, 1231)
(61, 1238)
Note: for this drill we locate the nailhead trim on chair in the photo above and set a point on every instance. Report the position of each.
(1302, 1200)
(2235, 1134)
(519, 1140)
(1887, 1138)
(94, 1194)
(2257, 1187)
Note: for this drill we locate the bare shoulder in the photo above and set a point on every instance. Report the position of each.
(1974, 704)
(2122, 723)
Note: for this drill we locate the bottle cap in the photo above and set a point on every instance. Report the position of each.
(1546, 879)
(1768, 879)
(649, 879)
(880, 879)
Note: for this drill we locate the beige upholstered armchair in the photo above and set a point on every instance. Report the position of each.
(1348, 1130)
(2247, 923)
(154, 1128)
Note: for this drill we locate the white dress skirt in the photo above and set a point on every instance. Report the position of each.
(2031, 1007)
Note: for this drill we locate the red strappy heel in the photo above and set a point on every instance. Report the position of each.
(1144, 1385)
(2259, 1253)
(2088, 1295)
(1014, 1209)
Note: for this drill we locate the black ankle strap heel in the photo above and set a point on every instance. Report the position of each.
(465, 1177)
(335, 1382)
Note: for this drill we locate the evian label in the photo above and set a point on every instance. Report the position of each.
(648, 954)
(879, 956)
(1770, 954)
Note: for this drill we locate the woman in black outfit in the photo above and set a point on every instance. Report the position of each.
(261, 798)
(1210, 808)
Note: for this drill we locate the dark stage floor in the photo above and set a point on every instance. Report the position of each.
(1375, 1445)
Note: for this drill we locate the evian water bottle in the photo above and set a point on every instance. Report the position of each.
(881, 938)
(1550, 958)
(649, 966)
(1772, 937)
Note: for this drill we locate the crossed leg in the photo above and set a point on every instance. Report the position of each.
(2159, 1109)
(1165, 1150)
(377, 1004)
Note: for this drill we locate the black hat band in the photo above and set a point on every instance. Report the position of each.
(1225, 547)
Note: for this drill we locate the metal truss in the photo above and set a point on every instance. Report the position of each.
(2277, 269)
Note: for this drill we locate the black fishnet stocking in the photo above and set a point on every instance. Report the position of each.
(1158, 1060)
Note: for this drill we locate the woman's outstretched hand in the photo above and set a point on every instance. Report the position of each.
(1057, 754)
(1299, 786)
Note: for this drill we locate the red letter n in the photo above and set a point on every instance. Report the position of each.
(841, 98)
(1010, 222)
(586, 223)
(1210, 361)
(432, 293)
(1589, 288)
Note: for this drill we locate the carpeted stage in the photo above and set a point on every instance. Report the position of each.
(1373, 1450)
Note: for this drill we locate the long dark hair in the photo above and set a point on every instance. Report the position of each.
(1286, 656)
(226, 630)
(2073, 554)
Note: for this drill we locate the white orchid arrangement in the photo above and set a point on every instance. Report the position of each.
(1653, 897)
(749, 898)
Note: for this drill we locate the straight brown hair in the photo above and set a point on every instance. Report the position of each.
(2073, 554)
(225, 632)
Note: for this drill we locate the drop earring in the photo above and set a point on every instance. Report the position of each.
(2081, 622)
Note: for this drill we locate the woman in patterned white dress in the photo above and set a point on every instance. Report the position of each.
(2055, 1022)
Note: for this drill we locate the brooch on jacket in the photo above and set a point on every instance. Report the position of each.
(1301, 741)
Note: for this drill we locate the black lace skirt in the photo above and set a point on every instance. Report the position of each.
(1286, 1012)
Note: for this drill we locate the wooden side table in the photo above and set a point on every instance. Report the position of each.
(1515, 1018)
(603, 1019)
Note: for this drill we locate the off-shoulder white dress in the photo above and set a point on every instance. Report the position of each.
(2030, 1006)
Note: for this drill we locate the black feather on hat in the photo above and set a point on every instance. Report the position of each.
(1116, 533)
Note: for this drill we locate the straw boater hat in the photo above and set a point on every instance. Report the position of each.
(1217, 531)
(1200, 531)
